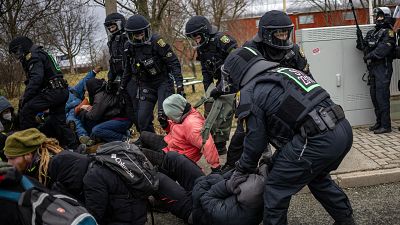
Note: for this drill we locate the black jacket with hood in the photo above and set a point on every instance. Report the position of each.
(106, 106)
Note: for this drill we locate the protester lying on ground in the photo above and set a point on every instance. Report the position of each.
(109, 116)
(183, 127)
(76, 95)
(204, 200)
(8, 123)
(108, 196)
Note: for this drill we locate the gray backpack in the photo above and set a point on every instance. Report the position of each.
(40, 206)
(131, 165)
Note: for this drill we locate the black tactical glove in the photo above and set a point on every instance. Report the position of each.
(163, 120)
(232, 185)
(216, 170)
(180, 90)
(215, 93)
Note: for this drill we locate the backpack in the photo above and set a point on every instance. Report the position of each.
(131, 165)
(219, 118)
(40, 206)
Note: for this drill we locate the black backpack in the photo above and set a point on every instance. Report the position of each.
(131, 165)
(40, 206)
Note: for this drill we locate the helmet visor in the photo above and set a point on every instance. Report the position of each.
(113, 27)
(139, 37)
(281, 37)
(17, 52)
(197, 40)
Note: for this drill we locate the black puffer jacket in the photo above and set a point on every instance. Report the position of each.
(213, 204)
(106, 106)
(66, 172)
(108, 199)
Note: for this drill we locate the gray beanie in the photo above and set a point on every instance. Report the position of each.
(174, 106)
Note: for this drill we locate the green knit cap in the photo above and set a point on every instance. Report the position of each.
(23, 142)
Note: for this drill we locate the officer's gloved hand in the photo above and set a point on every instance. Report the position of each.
(163, 120)
(216, 170)
(215, 93)
(181, 91)
(238, 177)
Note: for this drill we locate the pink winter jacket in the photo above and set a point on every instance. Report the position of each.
(185, 138)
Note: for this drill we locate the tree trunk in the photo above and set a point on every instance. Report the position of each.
(71, 65)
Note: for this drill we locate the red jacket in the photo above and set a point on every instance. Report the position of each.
(185, 138)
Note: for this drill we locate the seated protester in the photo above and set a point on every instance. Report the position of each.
(109, 200)
(203, 200)
(183, 132)
(8, 123)
(10, 179)
(76, 95)
(109, 116)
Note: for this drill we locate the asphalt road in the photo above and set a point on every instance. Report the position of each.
(375, 205)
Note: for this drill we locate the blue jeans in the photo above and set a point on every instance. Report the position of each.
(80, 130)
(112, 130)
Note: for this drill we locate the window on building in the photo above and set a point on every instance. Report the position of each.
(306, 19)
(348, 16)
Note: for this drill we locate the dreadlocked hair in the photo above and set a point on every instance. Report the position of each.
(46, 150)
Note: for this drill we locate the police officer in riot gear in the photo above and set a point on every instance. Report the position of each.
(288, 109)
(150, 61)
(274, 41)
(212, 49)
(379, 44)
(45, 89)
(115, 28)
(114, 24)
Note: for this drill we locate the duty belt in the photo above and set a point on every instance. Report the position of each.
(57, 83)
(321, 120)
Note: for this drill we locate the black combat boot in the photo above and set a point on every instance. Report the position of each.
(383, 130)
(374, 127)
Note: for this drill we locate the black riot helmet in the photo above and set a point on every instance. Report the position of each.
(382, 15)
(114, 23)
(199, 26)
(20, 46)
(138, 30)
(276, 29)
(242, 65)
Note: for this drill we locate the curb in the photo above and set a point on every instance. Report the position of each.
(364, 178)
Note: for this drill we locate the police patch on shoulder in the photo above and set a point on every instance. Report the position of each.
(391, 33)
(225, 39)
(302, 53)
(169, 54)
(28, 56)
(161, 42)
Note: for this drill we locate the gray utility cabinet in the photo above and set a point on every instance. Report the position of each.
(338, 66)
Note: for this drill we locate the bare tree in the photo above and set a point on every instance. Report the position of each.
(71, 30)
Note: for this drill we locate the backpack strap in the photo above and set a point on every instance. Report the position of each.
(15, 196)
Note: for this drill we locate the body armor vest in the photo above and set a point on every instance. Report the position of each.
(116, 49)
(373, 38)
(146, 63)
(301, 95)
(212, 56)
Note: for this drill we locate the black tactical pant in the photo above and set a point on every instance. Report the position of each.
(380, 76)
(55, 125)
(292, 170)
(132, 89)
(235, 148)
(177, 178)
(148, 94)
